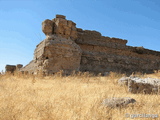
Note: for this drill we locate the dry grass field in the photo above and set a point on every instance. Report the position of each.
(75, 97)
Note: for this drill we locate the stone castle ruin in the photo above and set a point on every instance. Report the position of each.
(12, 68)
(70, 49)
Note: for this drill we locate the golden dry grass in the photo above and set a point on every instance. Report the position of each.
(76, 97)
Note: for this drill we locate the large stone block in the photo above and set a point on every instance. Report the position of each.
(10, 68)
(141, 85)
(47, 27)
(65, 28)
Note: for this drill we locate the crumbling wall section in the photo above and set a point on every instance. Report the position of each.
(13, 68)
(69, 48)
(103, 54)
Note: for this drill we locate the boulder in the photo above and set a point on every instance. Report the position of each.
(117, 102)
(145, 85)
(140, 85)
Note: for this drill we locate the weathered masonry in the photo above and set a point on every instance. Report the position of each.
(69, 48)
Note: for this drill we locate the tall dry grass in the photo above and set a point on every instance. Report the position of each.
(75, 97)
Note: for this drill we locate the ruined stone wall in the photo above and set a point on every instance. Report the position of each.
(69, 48)
(57, 54)
(103, 54)
(13, 68)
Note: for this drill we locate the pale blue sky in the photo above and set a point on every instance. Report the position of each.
(138, 21)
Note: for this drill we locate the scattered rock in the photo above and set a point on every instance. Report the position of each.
(140, 85)
(146, 85)
(118, 102)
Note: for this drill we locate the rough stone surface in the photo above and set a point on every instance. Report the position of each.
(123, 81)
(146, 85)
(47, 27)
(65, 28)
(57, 53)
(10, 68)
(141, 85)
(19, 66)
(103, 54)
(100, 54)
(30, 67)
(61, 16)
(118, 102)
(13, 68)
